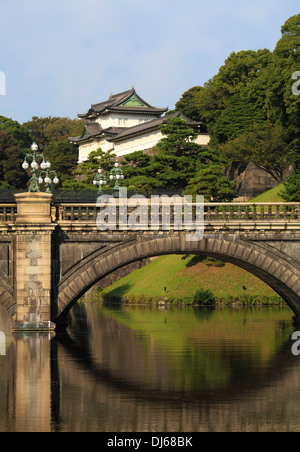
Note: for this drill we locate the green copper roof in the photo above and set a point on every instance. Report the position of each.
(133, 101)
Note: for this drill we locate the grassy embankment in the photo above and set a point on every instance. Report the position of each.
(270, 196)
(176, 279)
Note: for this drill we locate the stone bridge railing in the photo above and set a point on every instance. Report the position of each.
(8, 213)
(247, 216)
(279, 212)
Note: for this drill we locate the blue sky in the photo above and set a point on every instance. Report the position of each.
(60, 56)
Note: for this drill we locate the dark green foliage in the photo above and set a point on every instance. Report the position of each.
(187, 104)
(212, 262)
(210, 182)
(239, 115)
(208, 261)
(63, 156)
(51, 135)
(82, 176)
(204, 297)
(237, 78)
(291, 191)
(266, 145)
(289, 44)
(15, 141)
(249, 105)
(12, 176)
(175, 162)
(52, 129)
(285, 105)
(17, 131)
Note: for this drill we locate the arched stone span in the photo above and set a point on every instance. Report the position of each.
(272, 266)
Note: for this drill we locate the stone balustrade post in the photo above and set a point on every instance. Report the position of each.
(32, 259)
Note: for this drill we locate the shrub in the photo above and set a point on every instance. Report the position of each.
(212, 262)
(204, 297)
(291, 192)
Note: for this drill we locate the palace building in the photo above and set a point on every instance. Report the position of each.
(125, 123)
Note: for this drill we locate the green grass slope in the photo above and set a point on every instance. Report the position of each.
(177, 279)
(270, 195)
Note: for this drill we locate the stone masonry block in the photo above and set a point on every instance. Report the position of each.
(33, 270)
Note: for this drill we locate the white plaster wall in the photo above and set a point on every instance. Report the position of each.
(86, 149)
(139, 143)
(149, 141)
(203, 139)
(122, 120)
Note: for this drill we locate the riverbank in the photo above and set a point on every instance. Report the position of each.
(189, 280)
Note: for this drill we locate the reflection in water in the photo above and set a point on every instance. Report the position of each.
(2, 343)
(138, 369)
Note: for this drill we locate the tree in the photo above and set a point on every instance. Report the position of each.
(49, 129)
(266, 145)
(239, 115)
(12, 175)
(51, 134)
(83, 175)
(289, 44)
(178, 155)
(141, 172)
(142, 185)
(284, 105)
(251, 87)
(173, 163)
(16, 130)
(63, 156)
(178, 138)
(291, 191)
(239, 76)
(187, 104)
(212, 184)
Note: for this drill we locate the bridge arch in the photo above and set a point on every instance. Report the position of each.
(273, 267)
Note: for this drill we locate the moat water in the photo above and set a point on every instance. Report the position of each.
(143, 369)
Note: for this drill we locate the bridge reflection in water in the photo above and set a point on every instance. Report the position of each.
(2, 343)
(126, 369)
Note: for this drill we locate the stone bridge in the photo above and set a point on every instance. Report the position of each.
(50, 255)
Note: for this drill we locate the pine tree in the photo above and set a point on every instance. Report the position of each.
(212, 184)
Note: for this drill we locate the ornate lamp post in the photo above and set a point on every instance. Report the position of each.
(100, 180)
(37, 169)
(117, 175)
(47, 179)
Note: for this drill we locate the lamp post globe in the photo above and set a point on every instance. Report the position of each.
(38, 167)
(117, 175)
(100, 180)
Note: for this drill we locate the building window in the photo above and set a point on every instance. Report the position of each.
(123, 122)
